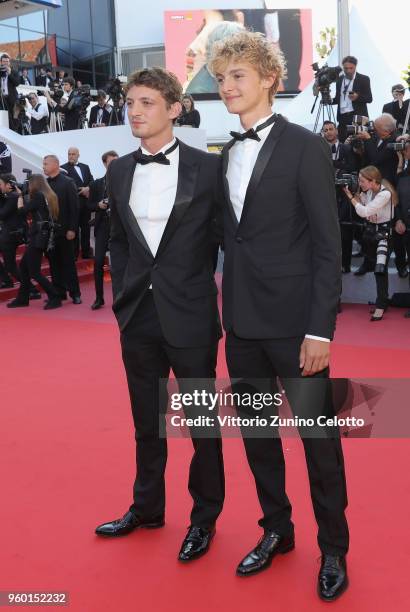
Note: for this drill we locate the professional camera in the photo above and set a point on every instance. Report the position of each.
(326, 75)
(24, 185)
(115, 89)
(349, 180)
(398, 146)
(360, 124)
(81, 99)
(57, 94)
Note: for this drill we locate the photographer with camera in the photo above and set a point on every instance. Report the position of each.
(345, 162)
(38, 113)
(398, 107)
(379, 148)
(9, 81)
(353, 93)
(13, 232)
(98, 203)
(54, 99)
(61, 257)
(376, 204)
(41, 204)
(101, 114)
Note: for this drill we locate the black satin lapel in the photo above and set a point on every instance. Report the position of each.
(126, 208)
(225, 162)
(262, 160)
(187, 175)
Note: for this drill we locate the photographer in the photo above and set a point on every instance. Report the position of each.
(402, 226)
(70, 110)
(54, 99)
(101, 114)
(41, 204)
(376, 204)
(98, 202)
(344, 161)
(9, 81)
(353, 93)
(38, 113)
(379, 152)
(398, 108)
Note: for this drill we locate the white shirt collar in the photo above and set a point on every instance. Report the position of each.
(259, 122)
(164, 148)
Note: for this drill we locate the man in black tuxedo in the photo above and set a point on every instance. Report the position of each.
(163, 205)
(62, 262)
(9, 81)
(398, 108)
(70, 110)
(101, 115)
(98, 203)
(82, 177)
(281, 286)
(24, 78)
(353, 94)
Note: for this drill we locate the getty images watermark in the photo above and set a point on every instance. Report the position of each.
(308, 407)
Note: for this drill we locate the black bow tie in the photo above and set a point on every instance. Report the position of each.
(252, 133)
(159, 158)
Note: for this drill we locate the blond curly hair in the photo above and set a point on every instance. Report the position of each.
(253, 48)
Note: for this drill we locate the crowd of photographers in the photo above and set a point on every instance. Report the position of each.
(372, 175)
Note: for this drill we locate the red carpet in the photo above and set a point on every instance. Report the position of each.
(67, 465)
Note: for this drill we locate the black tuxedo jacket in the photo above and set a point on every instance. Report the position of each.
(12, 83)
(398, 113)
(73, 174)
(382, 157)
(361, 86)
(41, 80)
(282, 268)
(105, 118)
(22, 81)
(98, 191)
(181, 273)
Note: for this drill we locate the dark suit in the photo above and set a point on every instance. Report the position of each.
(281, 281)
(71, 113)
(98, 192)
(108, 117)
(84, 212)
(23, 80)
(173, 325)
(13, 81)
(398, 113)
(362, 87)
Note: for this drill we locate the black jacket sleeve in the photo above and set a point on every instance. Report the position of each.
(119, 247)
(363, 90)
(73, 206)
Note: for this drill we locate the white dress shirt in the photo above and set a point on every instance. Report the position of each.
(345, 103)
(375, 208)
(152, 197)
(242, 159)
(78, 170)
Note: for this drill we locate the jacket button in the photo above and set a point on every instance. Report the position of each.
(155, 267)
(239, 239)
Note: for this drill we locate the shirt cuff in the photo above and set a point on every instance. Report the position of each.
(317, 338)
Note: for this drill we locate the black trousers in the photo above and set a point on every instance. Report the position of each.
(346, 233)
(399, 249)
(63, 270)
(30, 267)
(82, 238)
(9, 250)
(265, 359)
(344, 120)
(147, 358)
(101, 247)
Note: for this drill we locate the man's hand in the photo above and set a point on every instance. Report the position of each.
(103, 205)
(400, 227)
(85, 192)
(314, 356)
(353, 96)
(70, 235)
(363, 136)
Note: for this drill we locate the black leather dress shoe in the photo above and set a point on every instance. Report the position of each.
(126, 524)
(196, 543)
(16, 303)
(261, 556)
(97, 304)
(52, 303)
(77, 300)
(332, 580)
